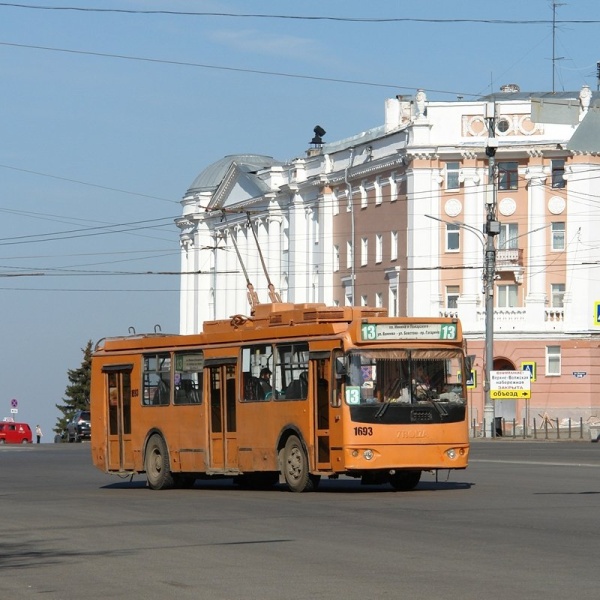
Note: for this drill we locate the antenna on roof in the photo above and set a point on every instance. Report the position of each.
(273, 295)
(252, 295)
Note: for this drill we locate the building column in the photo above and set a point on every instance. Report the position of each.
(582, 283)
(535, 300)
(423, 248)
(297, 250)
(471, 243)
(274, 245)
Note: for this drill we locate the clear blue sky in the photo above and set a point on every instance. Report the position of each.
(97, 151)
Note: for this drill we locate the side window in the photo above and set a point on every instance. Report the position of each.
(553, 362)
(558, 235)
(558, 172)
(157, 380)
(452, 294)
(187, 378)
(508, 175)
(292, 371)
(452, 175)
(257, 373)
(452, 238)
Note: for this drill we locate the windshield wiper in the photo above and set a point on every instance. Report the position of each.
(379, 414)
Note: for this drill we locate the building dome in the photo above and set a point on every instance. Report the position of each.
(209, 179)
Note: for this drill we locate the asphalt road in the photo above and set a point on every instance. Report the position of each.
(523, 521)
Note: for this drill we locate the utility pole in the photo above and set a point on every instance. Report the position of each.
(492, 229)
(554, 58)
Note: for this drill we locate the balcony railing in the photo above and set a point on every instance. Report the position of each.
(509, 258)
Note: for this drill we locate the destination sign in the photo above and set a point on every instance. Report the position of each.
(189, 363)
(408, 331)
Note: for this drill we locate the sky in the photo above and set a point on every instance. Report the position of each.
(108, 113)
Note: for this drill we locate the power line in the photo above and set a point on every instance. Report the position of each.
(231, 69)
(102, 187)
(301, 17)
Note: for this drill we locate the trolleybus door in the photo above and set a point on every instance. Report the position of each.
(327, 413)
(223, 451)
(118, 388)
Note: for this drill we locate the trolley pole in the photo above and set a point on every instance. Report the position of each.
(492, 229)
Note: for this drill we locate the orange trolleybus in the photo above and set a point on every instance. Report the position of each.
(291, 394)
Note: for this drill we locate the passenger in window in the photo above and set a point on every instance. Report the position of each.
(265, 382)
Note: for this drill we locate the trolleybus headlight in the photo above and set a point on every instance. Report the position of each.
(451, 453)
(368, 454)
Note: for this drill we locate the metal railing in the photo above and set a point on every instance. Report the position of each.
(546, 429)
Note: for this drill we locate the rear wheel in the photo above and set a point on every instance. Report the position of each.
(156, 464)
(295, 467)
(404, 481)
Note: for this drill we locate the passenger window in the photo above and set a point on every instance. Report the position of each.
(157, 380)
(292, 368)
(188, 378)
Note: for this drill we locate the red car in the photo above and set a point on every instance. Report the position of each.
(15, 433)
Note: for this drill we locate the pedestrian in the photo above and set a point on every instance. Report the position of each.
(38, 433)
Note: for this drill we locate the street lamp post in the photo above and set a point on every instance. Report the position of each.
(492, 229)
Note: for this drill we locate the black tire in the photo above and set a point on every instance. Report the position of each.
(404, 481)
(156, 464)
(295, 467)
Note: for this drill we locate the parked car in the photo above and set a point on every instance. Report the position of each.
(15, 433)
(78, 428)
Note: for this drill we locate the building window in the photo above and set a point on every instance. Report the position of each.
(378, 192)
(553, 360)
(364, 199)
(507, 296)
(558, 295)
(378, 299)
(558, 170)
(452, 293)
(349, 255)
(452, 175)
(508, 175)
(558, 236)
(452, 238)
(393, 302)
(364, 252)
(508, 236)
(336, 258)
(502, 126)
(364, 301)
(393, 187)
(394, 245)
(378, 248)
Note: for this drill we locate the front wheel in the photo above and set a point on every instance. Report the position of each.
(156, 464)
(295, 467)
(404, 481)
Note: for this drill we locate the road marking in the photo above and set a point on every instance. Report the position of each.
(534, 462)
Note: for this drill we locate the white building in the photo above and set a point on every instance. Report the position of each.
(394, 217)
